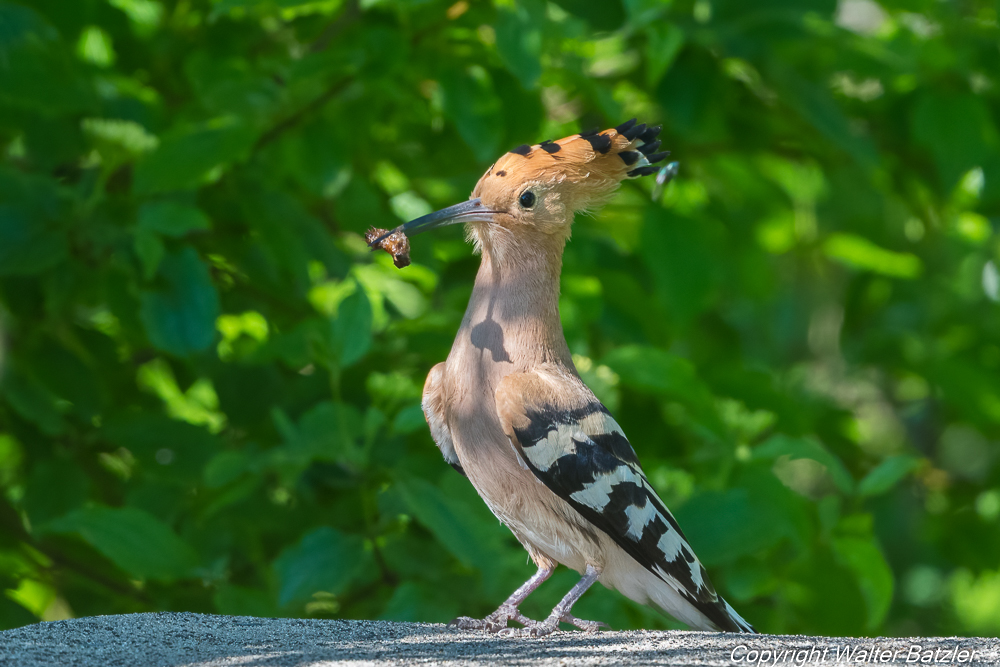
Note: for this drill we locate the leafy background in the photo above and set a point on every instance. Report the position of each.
(210, 395)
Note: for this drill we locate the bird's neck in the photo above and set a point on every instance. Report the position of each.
(513, 314)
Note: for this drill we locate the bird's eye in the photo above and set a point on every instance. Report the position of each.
(527, 199)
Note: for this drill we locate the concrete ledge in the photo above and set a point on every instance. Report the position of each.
(172, 640)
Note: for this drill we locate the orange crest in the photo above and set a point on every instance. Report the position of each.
(588, 167)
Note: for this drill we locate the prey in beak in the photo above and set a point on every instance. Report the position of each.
(396, 241)
(468, 211)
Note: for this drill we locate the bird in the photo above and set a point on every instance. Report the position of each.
(508, 409)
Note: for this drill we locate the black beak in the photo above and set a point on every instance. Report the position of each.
(467, 211)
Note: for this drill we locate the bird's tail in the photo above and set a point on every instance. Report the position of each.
(721, 616)
(736, 619)
(715, 614)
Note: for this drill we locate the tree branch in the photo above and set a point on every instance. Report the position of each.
(298, 116)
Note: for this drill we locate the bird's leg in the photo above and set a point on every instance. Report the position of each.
(508, 611)
(561, 611)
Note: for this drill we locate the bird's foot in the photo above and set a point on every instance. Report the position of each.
(495, 622)
(586, 626)
(551, 624)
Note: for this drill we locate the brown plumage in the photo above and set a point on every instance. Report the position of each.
(509, 410)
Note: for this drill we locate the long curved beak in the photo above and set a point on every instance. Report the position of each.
(468, 211)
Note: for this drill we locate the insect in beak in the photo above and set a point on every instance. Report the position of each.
(468, 211)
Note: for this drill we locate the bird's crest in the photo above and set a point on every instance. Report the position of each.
(589, 165)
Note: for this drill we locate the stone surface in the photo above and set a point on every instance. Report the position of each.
(172, 640)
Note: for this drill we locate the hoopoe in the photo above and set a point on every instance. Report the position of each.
(509, 411)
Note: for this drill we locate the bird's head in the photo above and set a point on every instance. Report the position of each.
(534, 191)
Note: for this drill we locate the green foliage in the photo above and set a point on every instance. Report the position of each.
(325, 560)
(210, 388)
(134, 540)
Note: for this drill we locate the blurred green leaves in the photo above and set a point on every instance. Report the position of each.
(27, 244)
(190, 155)
(864, 559)
(137, 542)
(449, 520)
(724, 526)
(958, 130)
(163, 219)
(325, 560)
(211, 388)
(519, 30)
(180, 316)
(37, 71)
(471, 103)
(976, 600)
(861, 253)
(887, 474)
(792, 449)
(351, 334)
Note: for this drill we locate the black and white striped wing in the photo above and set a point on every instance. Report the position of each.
(573, 445)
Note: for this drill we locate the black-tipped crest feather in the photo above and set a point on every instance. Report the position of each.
(643, 171)
(651, 133)
(634, 132)
(646, 149)
(629, 157)
(601, 143)
(626, 126)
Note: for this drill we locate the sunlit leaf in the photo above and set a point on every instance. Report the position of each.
(976, 600)
(887, 474)
(796, 448)
(858, 252)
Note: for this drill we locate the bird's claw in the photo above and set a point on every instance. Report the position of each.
(467, 623)
(586, 626)
(535, 629)
(494, 623)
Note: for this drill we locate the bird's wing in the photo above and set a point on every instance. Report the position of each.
(571, 443)
(433, 404)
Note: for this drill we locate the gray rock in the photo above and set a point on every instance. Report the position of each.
(174, 639)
